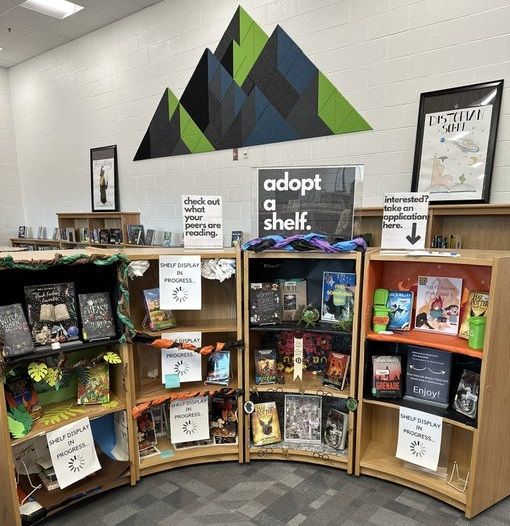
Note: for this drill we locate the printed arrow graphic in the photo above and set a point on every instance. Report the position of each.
(413, 238)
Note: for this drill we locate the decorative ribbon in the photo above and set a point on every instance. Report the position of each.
(304, 242)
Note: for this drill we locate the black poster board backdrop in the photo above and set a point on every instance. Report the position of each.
(455, 143)
(104, 179)
(304, 200)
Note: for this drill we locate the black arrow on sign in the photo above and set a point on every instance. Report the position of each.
(413, 238)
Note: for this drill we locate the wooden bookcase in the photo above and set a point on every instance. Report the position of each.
(87, 278)
(476, 446)
(266, 267)
(219, 320)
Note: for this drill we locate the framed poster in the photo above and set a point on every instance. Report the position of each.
(104, 177)
(455, 143)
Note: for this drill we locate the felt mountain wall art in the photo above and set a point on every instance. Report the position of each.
(253, 89)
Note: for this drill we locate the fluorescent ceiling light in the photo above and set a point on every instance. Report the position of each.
(56, 8)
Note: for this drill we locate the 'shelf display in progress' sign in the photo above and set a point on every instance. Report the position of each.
(189, 419)
(304, 200)
(180, 283)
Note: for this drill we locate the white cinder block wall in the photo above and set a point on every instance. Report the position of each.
(104, 88)
(11, 204)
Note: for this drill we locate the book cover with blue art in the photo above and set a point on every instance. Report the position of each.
(400, 303)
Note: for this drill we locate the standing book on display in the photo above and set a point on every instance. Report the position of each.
(338, 297)
(15, 337)
(265, 424)
(400, 303)
(476, 305)
(96, 316)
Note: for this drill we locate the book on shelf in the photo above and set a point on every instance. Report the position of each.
(265, 306)
(84, 235)
(337, 368)
(167, 239)
(303, 418)
(386, 376)
(237, 238)
(70, 235)
(19, 390)
(338, 290)
(265, 366)
(438, 304)
(22, 232)
(466, 397)
(476, 304)
(428, 376)
(156, 318)
(52, 313)
(335, 425)
(96, 316)
(56, 234)
(116, 237)
(104, 236)
(149, 236)
(218, 368)
(265, 425)
(15, 336)
(400, 303)
(146, 433)
(223, 419)
(292, 298)
(93, 384)
(136, 234)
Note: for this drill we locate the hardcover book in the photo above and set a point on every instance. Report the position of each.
(428, 376)
(338, 298)
(476, 305)
(52, 313)
(336, 427)
(265, 425)
(149, 237)
(386, 377)
(20, 390)
(146, 432)
(104, 236)
(292, 298)
(218, 368)
(15, 337)
(400, 303)
(157, 318)
(265, 366)
(223, 419)
(94, 384)
(96, 316)
(265, 306)
(116, 236)
(466, 398)
(337, 367)
(136, 235)
(438, 304)
(303, 419)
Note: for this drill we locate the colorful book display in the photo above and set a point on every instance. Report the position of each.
(15, 337)
(96, 316)
(157, 318)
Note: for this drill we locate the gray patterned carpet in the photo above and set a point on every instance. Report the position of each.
(266, 493)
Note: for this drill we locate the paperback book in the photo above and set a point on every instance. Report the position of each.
(265, 306)
(157, 318)
(96, 316)
(167, 239)
(400, 303)
(52, 313)
(223, 419)
(15, 337)
(336, 371)
(136, 234)
(149, 236)
(466, 398)
(438, 304)
(386, 377)
(94, 384)
(428, 376)
(115, 236)
(335, 428)
(218, 368)
(338, 298)
(303, 419)
(292, 298)
(104, 236)
(265, 425)
(265, 366)
(146, 433)
(476, 305)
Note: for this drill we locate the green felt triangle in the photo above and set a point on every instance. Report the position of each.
(192, 135)
(173, 102)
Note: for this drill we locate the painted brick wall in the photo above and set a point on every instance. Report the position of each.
(11, 203)
(103, 89)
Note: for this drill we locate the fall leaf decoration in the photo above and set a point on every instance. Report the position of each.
(17, 429)
(61, 412)
(113, 358)
(37, 371)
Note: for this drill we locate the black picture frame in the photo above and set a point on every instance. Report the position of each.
(103, 200)
(451, 101)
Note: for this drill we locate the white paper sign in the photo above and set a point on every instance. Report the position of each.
(419, 438)
(187, 364)
(202, 218)
(405, 217)
(189, 419)
(195, 338)
(72, 452)
(298, 358)
(180, 283)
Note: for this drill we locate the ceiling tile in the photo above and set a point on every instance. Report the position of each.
(117, 9)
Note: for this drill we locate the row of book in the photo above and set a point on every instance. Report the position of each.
(427, 380)
(54, 317)
(307, 420)
(442, 306)
(285, 299)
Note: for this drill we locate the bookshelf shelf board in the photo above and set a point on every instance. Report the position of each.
(441, 342)
(320, 328)
(220, 325)
(450, 416)
(92, 411)
(155, 392)
(377, 461)
(277, 452)
(36, 240)
(310, 385)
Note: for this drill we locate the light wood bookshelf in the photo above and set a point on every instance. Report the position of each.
(220, 319)
(474, 444)
(309, 266)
